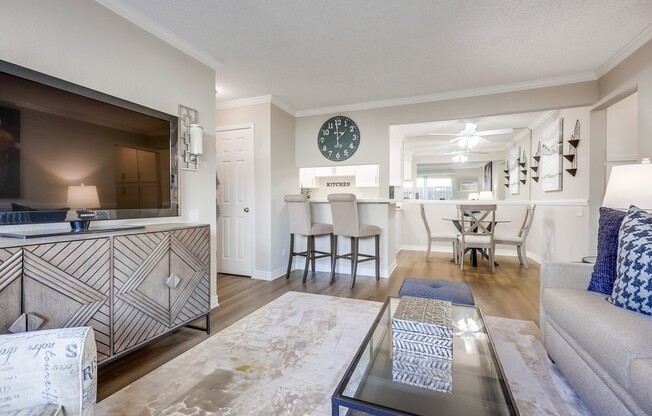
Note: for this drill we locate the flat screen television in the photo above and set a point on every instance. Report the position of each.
(56, 136)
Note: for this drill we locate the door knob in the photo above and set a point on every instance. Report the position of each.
(246, 209)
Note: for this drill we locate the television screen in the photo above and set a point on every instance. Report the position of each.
(56, 136)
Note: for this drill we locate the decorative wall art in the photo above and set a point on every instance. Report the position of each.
(573, 142)
(488, 177)
(551, 159)
(514, 176)
(535, 164)
(522, 163)
(9, 153)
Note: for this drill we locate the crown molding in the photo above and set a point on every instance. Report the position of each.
(149, 25)
(631, 47)
(451, 95)
(263, 99)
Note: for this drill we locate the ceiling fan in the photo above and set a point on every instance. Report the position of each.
(469, 137)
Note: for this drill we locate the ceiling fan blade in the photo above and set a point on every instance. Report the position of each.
(443, 134)
(497, 131)
(456, 139)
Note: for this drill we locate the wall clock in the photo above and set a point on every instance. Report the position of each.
(338, 138)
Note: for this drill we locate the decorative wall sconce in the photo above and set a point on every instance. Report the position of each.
(192, 136)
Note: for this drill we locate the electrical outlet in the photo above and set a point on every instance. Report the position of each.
(579, 211)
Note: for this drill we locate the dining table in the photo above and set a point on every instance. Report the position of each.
(474, 251)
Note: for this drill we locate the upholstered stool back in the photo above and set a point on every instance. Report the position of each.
(344, 208)
(299, 212)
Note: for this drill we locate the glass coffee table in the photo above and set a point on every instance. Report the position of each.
(479, 385)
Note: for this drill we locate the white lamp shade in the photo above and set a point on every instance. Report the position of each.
(629, 185)
(486, 196)
(473, 196)
(83, 197)
(196, 139)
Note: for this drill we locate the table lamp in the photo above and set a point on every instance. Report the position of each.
(82, 198)
(486, 196)
(629, 185)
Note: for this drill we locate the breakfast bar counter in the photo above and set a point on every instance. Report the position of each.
(379, 212)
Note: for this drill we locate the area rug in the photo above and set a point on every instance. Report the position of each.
(287, 358)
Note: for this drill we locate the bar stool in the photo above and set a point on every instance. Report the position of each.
(301, 223)
(344, 208)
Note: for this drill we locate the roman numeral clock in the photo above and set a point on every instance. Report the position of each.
(338, 138)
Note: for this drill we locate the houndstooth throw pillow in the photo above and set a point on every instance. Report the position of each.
(633, 286)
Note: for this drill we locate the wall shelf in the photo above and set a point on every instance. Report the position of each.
(535, 179)
(573, 142)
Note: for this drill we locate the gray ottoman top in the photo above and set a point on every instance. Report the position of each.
(455, 292)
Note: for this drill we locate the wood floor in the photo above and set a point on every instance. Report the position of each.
(511, 292)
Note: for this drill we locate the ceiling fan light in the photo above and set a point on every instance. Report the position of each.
(460, 158)
(472, 141)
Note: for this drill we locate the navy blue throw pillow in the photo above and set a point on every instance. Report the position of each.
(633, 286)
(604, 270)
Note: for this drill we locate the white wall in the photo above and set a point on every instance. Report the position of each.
(84, 43)
(285, 180)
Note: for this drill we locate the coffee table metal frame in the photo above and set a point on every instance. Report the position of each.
(340, 399)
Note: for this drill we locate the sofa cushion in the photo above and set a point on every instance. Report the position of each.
(613, 336)
(604, 270)
(633, 286)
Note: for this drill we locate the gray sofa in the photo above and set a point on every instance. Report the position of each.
(605, 352)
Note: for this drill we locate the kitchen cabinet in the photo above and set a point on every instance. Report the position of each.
(366, 176)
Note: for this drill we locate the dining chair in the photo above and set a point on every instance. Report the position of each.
(301, 223)
(519, 240)
(477, 223)
(441, 236)
(344, 208)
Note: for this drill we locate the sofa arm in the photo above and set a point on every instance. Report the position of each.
(566, 275)
(57, 366)
(563, 275)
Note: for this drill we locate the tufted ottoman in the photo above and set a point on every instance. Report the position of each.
(455, 292)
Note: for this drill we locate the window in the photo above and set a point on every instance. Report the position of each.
(435, 188)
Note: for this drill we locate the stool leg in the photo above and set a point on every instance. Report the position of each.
(312, 253)
(333, 258)
(308, 250)
(377, 257)
(291, 255)
(354, 258)
(352, 254)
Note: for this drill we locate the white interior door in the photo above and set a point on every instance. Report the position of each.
(235, 199)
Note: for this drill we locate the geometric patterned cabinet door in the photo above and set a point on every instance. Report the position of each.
(68, 284)
(11, 271)
(190, 259)
(160, 282)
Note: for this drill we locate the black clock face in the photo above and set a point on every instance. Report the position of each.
(338, 138)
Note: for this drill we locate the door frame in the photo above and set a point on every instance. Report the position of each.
(252, 228)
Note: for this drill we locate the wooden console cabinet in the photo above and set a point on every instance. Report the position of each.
(130, 286)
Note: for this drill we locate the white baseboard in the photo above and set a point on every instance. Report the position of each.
(214, 302)
(269, 276)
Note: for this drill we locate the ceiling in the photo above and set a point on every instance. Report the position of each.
(312, 55)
